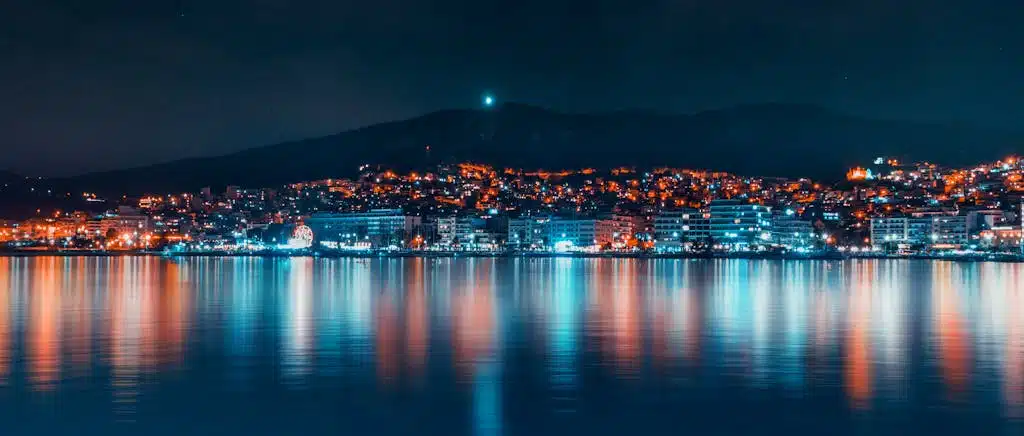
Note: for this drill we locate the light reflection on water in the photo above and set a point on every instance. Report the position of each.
(508, 346)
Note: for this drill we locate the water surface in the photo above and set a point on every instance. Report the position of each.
(142, 345)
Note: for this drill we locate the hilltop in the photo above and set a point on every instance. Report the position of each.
(764, 139)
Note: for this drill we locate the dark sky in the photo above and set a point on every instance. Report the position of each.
(99, 84)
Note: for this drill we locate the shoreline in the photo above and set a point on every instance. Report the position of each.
(1008, 258)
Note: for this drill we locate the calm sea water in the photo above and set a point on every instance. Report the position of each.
(509, 346)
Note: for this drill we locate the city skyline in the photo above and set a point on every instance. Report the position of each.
(885, 207)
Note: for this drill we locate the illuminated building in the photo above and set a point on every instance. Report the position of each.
(933, 228)
(635, 224)
(1002, 238)
(527, 233)
(464, 230)
(446, 231)
(564, 234)
(736, 223)
(790, 231)
(126, 223)
(94, 227)
(979, 220)
(8, 230)
(469, 233)
(858, 174)
(623, 228)
(378, 227)
(896, 230)
(674, 228)
(949, 230)
(150, 202)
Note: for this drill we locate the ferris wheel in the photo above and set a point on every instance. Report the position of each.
(302, 237)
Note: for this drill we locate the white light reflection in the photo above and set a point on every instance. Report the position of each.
(297, 343)
(242, 312)
(563, 324)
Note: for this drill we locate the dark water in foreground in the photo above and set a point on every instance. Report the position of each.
(506, 346)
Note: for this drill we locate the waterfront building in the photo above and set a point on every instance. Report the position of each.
(574, 234)
(446, 231)
(378, 227)
(470, 232)
(527, 233)
(126, 224)
(919, 230)
(127, 221)
(789, 231)
(676, 229)
(737, 224)
(463, 230)
(939, 230)
(948, 231)
(94, 227)
(620, 230)
(889, 230)
(8, 230)
(1002, 238)
(979, 220)
(633, 225)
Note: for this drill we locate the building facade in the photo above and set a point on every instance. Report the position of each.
(564, 234)
(1002, 238)
(446, 231)
(890, 230)
(675, 229)
(528, 233)
(980, 220)
(127, 221)
(378, 227)
(936, 230)
(792, 232)
(737, 223)
(950, 231)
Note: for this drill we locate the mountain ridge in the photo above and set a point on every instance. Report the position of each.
(769, 139)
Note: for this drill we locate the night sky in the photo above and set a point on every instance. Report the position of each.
(99, 84)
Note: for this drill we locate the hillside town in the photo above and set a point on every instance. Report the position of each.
(883, 208)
